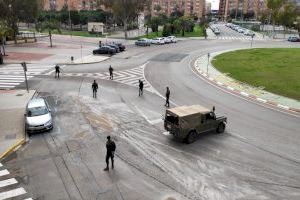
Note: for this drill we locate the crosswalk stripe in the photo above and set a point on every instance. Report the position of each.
(12, 81)
(6, 86)
(8, 83)
(12, 193)
(4, 172)
(7, 182)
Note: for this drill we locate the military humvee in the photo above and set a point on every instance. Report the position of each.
(187, 122)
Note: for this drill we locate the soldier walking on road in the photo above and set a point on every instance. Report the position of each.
(110, 151)
(95, 88)
(111, 70)
(57, 71)
(141, 86)
(167, 97)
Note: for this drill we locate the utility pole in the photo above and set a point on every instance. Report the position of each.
(25, 70)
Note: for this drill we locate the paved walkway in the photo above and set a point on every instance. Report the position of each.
(257, 93)
(12, 109)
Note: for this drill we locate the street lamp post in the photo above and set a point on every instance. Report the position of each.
(208, 55)
(252, 36)
(25, 70)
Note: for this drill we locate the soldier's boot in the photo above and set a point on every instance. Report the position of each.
(106, 169)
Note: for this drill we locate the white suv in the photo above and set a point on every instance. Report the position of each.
(158, 41)
(172, 38)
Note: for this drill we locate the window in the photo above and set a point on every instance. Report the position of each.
(172, 119)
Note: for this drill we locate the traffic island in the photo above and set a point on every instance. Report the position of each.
(90, 59)
(204, 67)
(12, 129)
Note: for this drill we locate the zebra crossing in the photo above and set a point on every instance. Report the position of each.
(9, 187)
(13, 75)
(239, 38)
(129, 77)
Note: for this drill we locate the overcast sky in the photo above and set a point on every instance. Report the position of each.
(214, 4)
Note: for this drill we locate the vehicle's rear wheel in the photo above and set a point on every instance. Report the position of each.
(221, 127)
(192, 136)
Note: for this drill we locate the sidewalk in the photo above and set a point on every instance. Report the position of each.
(12, 108)
(256, 93)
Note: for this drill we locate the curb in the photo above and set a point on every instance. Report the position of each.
(242, 93)
(13, 148)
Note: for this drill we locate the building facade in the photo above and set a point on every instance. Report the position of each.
(188, 7)
(71, 4)
(240, 8)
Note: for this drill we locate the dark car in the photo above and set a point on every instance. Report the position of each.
(105, 50)
(294, 39)
(121, 46)
(116, 47)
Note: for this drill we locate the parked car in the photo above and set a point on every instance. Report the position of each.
(121, 46)
(294, 39)
(217, 31)
(241, 30)
(143, 42)
(167, 40)
(249, 33)
(158, 41)
(172, 38)
(116, 47)
(38, 116)
(105, 50)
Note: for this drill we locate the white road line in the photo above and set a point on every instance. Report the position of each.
(7, 86)
(28, 199)
(7, 182)
(156, 121)
(4, 172)
(12, 193)
(283, 107)
(10, 81)
(13, 76)
(6, 83)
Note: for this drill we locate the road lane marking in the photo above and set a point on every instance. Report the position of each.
(156, 121)
(7, 182)
(4, 172)
(12, 193)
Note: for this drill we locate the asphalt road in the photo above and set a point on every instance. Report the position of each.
(258, 157)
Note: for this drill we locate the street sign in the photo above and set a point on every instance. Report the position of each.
(24, 66)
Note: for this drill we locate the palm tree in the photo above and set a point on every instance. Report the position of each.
(50, 26)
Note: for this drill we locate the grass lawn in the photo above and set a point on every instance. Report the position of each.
(277, 70)
(196, 33)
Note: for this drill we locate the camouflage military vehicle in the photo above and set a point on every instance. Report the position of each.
(187, 122)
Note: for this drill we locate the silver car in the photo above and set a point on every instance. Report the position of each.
(38, 116)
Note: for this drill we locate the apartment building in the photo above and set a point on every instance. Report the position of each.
(72, 4)
(240, 8)
(188, 7)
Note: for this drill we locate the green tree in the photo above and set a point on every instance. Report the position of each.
(125, 10)
(154, 23)
(5, 31)
(288, 15)
(275, 6)
(50, 26)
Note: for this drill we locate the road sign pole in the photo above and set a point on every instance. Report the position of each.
(25, 70)
(252, 40)
(208, 55)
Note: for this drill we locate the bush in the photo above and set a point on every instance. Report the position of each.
(167, 30)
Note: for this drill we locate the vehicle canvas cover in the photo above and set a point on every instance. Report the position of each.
(182, 111)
